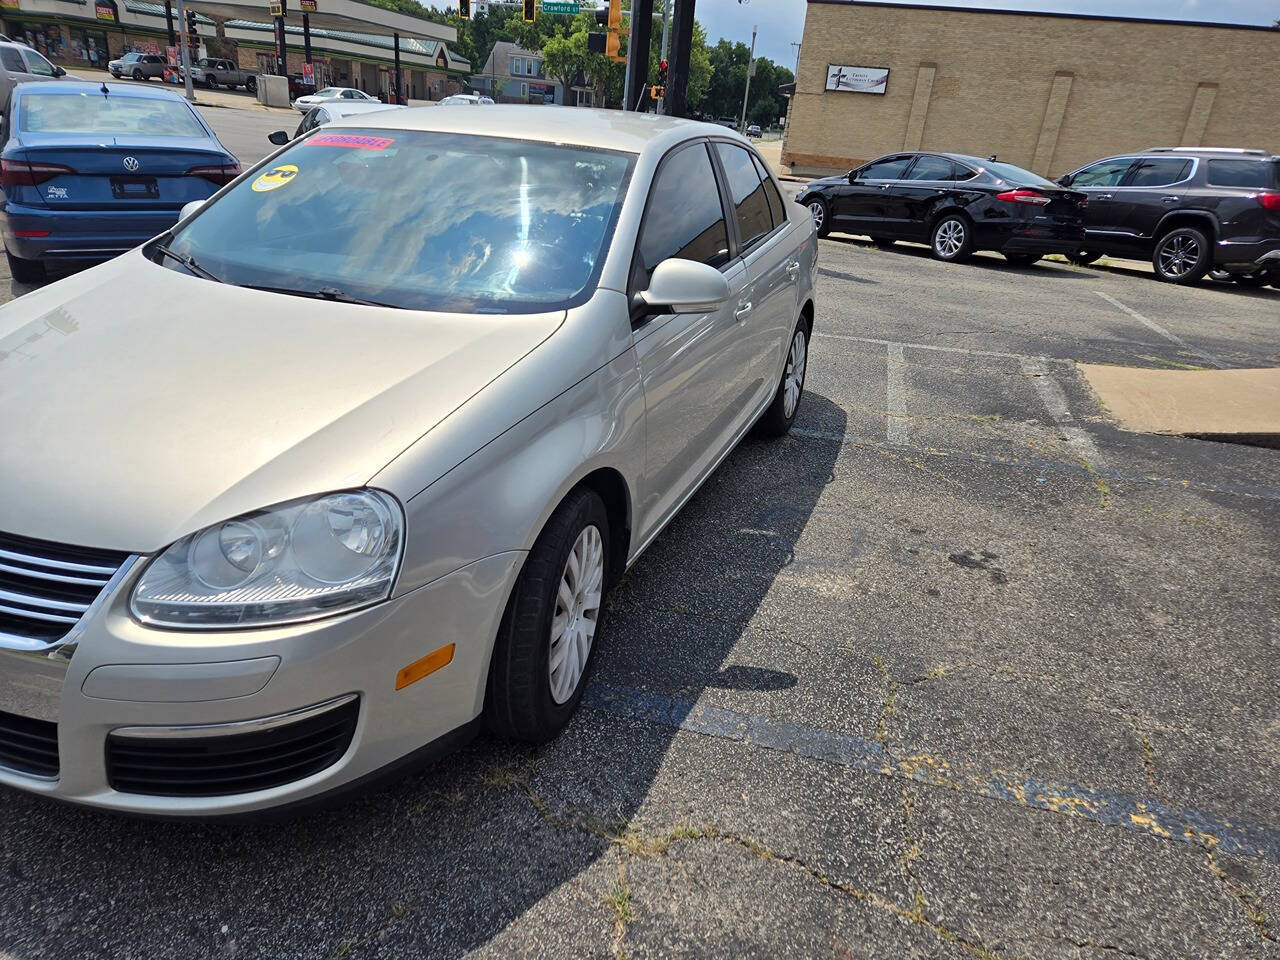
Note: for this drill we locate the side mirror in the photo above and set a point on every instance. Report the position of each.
(59, 72)
(684, 286)
(1065, 180)
(189, 208)
(278, 137)
(853, 175)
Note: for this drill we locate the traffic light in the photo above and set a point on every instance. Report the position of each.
(615, 15)
(657, 92)
(662, 73)
(612, 46)
(530, 10)
(614, 49)
(193, 38)
(464, 9)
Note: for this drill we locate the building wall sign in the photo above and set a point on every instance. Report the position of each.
(857, 79)
(9, 4)
(307, 6)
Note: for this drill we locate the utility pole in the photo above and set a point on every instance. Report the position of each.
(626, 77)
(797, 70)
(751, 69)
(184, 55)
(666, 24)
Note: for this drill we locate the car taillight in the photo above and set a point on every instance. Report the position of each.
(218, 174)
(1024, 196)
(20, 173)
(1269, 200)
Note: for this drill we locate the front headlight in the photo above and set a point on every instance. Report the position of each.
(296, 561)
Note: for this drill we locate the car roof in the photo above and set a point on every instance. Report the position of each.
(1233, 153)
(114, 89)
(582, 126)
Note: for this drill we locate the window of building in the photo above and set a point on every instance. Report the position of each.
(1252, 174)
(891, 168)
(1158, 172)
(530, 67)
(517, 66)
(684, 217)
(524, 90)
(750, 204)
(932, 168)
(1106, 173)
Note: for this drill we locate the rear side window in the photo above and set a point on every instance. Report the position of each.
(12, 60)
(771, 193)
(684, 217)
(931, 168)
(1250, 174)
(1157, 171)
(750, 204)
(961, 172)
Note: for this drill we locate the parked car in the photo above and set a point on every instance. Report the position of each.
(465, 100)
(304, 103)
(353, 477)
(213, 72)
(753, 130)
(139, 66)
(1188, 210)
(87, 174)
(319, 116)
(956, 203)
(20, 64)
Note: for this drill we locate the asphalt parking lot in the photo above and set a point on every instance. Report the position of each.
(957, 669)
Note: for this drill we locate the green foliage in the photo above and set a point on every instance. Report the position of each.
(728, 78)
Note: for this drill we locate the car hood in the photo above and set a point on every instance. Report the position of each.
(138, 404)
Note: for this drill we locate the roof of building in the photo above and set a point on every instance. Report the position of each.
(423, 48)
(604, 129)
(952, 8)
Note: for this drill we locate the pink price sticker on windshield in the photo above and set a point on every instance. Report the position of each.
(349, 140)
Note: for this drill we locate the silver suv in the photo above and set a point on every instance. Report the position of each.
(140, 66)
(20, 64)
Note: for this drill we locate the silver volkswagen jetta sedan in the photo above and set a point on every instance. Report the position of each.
(396, 409)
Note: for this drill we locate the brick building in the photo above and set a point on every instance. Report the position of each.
(1049, 92)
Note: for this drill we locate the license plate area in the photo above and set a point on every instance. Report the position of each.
(135, 188)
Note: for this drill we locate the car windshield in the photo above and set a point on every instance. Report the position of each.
(420, 220)
(57, 112)
(1007, 171)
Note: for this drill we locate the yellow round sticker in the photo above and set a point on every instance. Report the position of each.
(275, 178)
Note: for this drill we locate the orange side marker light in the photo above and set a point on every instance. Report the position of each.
(427, 665)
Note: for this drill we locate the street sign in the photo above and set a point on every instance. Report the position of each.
(571, 7)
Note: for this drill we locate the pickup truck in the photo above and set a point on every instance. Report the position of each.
(213, 72)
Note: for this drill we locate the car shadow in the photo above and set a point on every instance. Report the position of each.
(444, 861)
(984, 259)
(1139, 269)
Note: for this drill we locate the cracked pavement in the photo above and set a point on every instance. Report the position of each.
(959, 693)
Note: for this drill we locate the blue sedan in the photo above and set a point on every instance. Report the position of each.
(89, 171)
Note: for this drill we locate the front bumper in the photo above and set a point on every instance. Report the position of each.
(112, 677)
(79, 234)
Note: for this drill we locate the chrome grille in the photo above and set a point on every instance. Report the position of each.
(45, 588)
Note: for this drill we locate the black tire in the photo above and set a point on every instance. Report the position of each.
(943, 239)
(776, 421)
(1082, 258)
(211, 83)
(518, 699)
(251, 84)
(1022, 259)
(25, 271)
(1182, 256)
(884, 243)
(821, 215)
(137, 74)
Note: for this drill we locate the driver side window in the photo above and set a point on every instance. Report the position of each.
(1108, 173)
(890, 168)
(684, 217)
(37, 64)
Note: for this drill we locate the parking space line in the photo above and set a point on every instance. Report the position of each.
(1055, 401)
(940, 349)
(1139, 814)
(1171, 337)
(895, 396)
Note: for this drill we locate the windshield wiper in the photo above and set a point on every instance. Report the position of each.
(187, 262)
(324, 293)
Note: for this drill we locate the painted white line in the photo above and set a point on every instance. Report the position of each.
(938, 349)
(1152, 325)
(1055, 401)
(895, 411)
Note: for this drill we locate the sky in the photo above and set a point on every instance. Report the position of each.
(781, 22)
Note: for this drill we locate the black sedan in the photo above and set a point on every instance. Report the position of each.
(955, 203)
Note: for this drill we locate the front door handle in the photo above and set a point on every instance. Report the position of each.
(1170, 199)
(744, 308)
(793, 269)
(1104, 196)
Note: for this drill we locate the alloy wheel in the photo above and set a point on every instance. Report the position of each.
(819, 214)
(949, 239)
(1179, 256)
(573, 626)
(793, 377)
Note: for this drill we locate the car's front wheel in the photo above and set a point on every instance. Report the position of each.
(781, 414)
(818, 210)
(952, 239)
(543, 654)
(25, 271)
(1182, 256)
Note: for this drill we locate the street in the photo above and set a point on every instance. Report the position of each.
(957, 669)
